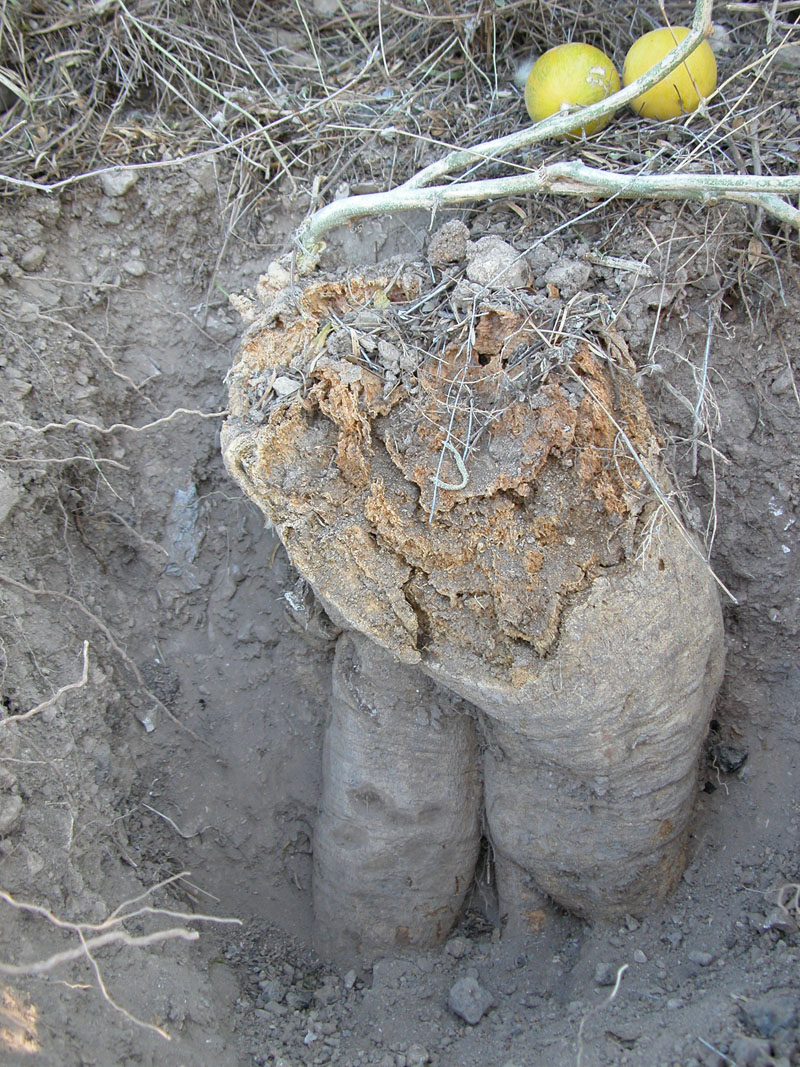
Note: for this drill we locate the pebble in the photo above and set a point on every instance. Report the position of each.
(9, 496)
(327, 993)
(469, 1000)
(702, 959)
(457, 947)
(496, 264)
(11, 807)
(750, 1052)
(775, 1011)
(33, 258)
(135, 267)
(448, 244)
(639, 956)
(569, 276)
(350, 979)
(417, 1056)
(299, 998)
(118, 181)
(605, 974)
(271, 989)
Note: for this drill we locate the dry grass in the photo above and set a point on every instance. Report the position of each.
(288, 93)
(278, 86)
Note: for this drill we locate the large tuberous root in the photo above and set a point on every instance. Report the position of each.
(398, 834)
(482, 503)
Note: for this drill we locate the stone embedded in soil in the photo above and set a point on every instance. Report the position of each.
(11, 807)
(417, 1056)
(117, 182)
(469, 1000)
(494, 263)
(448, 244)
(605, 974)
(457, 947)
(774, 1011)
(33, 258)
(750, 1052)
(10, 495)
(702, 959)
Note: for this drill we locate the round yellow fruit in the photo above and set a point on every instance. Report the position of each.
(567, 76)
(679, 92)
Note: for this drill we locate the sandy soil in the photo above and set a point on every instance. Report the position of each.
(192, 741)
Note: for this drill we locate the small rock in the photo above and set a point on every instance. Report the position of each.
(137, 268)
(570, 276)
(109, 216)
(639, 956)
(775, 1011)
(522, 69)
(271, 990)
(118, 181)
(540, 257)
(298, 998)
(417, 1056)
(11, 807)
(750, 1052)
(33, 258)
(448, 244)
(729, 758)
(457, 947)
(789, 56)
(469, 1000)
(495, 264)
(350, 979)
(605, 974)
(720, 38)
(9, 496)
(702, 959)
(327, 993)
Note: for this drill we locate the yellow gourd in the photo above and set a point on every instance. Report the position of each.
(567, 76)
(679, 92)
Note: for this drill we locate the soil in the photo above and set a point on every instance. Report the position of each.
(193, 742)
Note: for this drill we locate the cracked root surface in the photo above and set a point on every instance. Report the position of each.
(358, 469)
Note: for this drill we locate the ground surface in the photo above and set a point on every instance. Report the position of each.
(192, 740)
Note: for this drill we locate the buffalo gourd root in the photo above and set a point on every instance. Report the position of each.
(466, 505)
